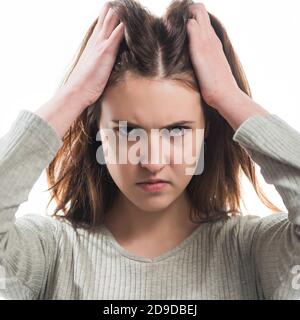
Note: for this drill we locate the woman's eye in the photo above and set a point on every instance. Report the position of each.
(175, 131)
(178, 131)
(123, 131)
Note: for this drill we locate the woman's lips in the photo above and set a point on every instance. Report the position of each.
(153, 187)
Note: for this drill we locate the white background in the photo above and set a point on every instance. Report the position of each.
(39, 40)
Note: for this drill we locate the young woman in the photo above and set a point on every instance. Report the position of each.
(114, 235)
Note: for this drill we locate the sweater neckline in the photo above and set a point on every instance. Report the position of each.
(171, 252)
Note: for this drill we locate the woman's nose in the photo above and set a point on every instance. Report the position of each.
(156, 160)
(153, 167)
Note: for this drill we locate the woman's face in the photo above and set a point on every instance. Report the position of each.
(145, 105)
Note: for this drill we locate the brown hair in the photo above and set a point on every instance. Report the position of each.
(153, 47)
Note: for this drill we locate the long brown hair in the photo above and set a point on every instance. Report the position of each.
(153, 47)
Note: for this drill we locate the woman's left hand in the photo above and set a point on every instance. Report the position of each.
(210, 64)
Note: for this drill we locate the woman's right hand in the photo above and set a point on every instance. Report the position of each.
(90, 75)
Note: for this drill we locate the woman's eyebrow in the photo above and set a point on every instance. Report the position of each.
(178, 123)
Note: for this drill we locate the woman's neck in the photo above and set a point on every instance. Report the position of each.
(130, 223)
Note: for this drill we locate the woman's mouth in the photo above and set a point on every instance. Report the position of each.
(153, 186)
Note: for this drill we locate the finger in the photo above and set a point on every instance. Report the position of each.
(100, 21)
(118, 34)
(110, 22)
(102, 15)
(199, 12)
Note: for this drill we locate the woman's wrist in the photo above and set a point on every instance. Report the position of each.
(61, 110)
(238, 107)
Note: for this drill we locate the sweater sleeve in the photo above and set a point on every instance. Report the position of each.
(27, 243)
(273, 241)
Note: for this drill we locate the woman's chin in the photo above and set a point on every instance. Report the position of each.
(152, 205)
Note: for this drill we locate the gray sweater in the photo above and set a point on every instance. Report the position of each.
(245, 257)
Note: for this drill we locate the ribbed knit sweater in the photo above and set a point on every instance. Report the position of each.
(243, 257)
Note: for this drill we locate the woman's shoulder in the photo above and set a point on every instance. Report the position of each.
(249, 225)
(49, 227)
(40, 224)
(272, 228)
(254, 221)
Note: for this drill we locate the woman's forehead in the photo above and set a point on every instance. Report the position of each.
(137, 98)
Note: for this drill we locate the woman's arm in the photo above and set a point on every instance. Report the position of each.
(274, 241)
(27, 244)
